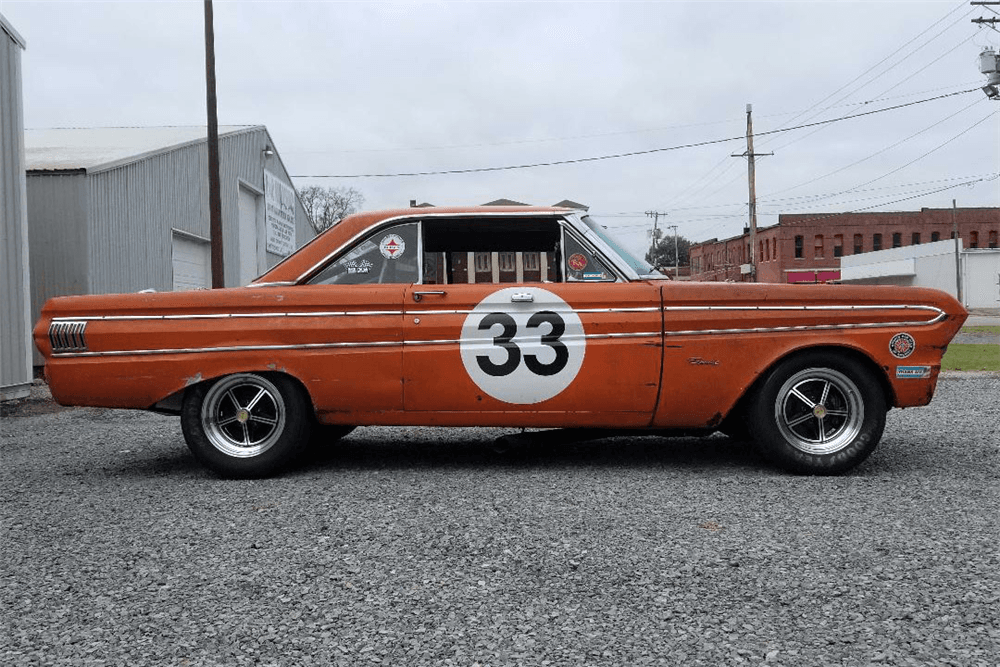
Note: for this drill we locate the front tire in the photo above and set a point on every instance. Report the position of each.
(818, 414)
(246, 425)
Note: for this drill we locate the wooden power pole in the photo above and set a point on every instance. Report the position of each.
(214, 194)
(751, 178)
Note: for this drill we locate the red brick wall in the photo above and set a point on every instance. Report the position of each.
(777, 256)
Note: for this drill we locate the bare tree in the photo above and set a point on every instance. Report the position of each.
(328, 206)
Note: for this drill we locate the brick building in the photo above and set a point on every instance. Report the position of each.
(806, 248)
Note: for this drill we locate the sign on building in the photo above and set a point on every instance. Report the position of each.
(279, 217)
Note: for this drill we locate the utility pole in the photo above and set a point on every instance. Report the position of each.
(214, 194)
(655, 215)
(992, 21)
(958, 252)
(751, 178)
(676, 252)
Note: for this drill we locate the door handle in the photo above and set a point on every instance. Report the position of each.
(522, 297)
(417, 296)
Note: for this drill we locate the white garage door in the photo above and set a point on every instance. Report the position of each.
(249, 268)
(192, 260)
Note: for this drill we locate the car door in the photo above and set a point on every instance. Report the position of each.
(549, 354)
(354, 360)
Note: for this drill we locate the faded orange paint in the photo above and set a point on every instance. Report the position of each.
(657, 354)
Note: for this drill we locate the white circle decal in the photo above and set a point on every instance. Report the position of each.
(392, 246)
(523, 345)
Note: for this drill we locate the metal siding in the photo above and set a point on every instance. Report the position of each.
(57, 232)
(15, 319)
(133, 209)
(242, 158)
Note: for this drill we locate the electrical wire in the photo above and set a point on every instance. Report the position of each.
(615, 156)
(877, 153)
(879, 63)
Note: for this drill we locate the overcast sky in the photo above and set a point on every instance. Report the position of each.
(348, 88)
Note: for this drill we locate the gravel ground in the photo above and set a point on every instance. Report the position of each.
(420, 546)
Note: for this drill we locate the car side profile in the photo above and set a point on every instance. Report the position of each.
(503, 316)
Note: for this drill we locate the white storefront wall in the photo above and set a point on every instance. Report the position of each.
(930, 265)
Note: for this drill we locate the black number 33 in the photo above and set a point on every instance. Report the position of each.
(506, 341)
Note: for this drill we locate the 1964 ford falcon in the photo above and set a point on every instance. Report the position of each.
(520, 317)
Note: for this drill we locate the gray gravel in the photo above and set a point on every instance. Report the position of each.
(419, 546)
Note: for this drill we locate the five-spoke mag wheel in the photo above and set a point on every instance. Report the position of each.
(818, 413)
(247, 424)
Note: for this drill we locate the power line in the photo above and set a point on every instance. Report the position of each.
(616, 156)
(876, 65)
(887, 148)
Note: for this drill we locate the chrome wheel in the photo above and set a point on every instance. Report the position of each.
(819, 411)
(243, 415)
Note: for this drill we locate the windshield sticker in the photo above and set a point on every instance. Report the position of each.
(392, 246)
(913, 372)
(593, 276)
(577, 262)
(354, 266)
(902, 345)
(523, 352)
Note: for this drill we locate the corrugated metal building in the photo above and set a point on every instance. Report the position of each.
(126, 209)
(15, 318)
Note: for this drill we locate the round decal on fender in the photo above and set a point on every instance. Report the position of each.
(902, 345)
(523, 351)
(392, 246)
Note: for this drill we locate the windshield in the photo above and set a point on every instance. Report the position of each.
(642, 267)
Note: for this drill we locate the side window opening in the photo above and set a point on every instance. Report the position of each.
(386, 256)
(500, 250)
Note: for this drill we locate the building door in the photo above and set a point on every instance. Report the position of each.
(249, 235)
(192, 263)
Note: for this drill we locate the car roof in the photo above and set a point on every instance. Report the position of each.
(329, 241)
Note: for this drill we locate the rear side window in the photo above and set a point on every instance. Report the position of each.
(492, 250)
(384, 257)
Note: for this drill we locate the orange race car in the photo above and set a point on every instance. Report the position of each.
(512, 316)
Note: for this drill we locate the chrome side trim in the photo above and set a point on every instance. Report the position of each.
(225, 316)
(336, 313)
(893, 306)
(317, 346)
(805, 327)
(235, 348)
(276, 283)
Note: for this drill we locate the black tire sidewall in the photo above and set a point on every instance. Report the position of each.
(778, 450)
(287, 448)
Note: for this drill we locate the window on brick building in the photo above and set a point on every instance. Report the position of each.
(838, 245)
(973, 239)
(935, 237)
(859, 244)
(818, 249)
(897, 239)
(798, 247)
(774, 248)
(993, 239)
(876, 241)
(915, 238)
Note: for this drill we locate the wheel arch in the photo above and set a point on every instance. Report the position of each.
(852, 353)
(173, 403)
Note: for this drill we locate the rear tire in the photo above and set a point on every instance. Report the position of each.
(246, 425)
(818, 414)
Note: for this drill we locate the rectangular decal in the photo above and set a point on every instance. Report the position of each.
(913, 372)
